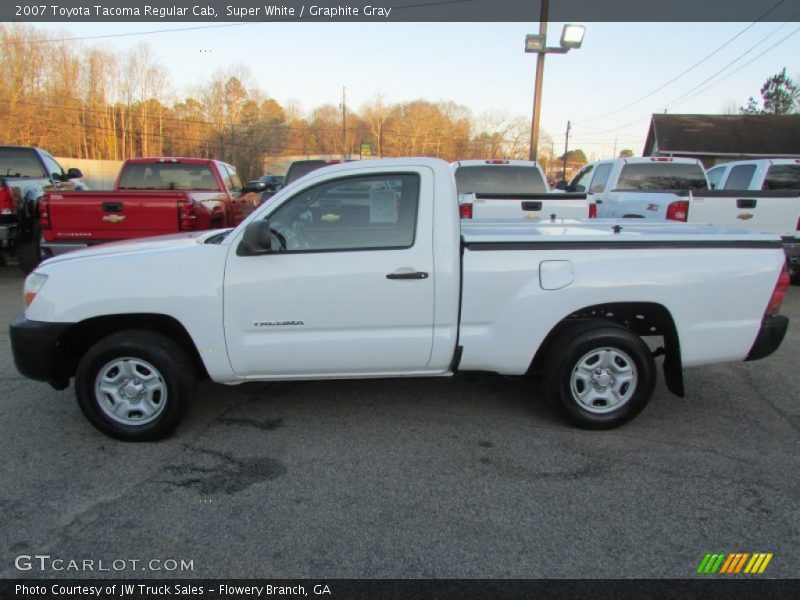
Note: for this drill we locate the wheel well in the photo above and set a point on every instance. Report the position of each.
(642, 318)
(76, 340)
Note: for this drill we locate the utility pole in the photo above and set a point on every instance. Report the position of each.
(614, 154)
(344, 122)
(537, 92)
(380, 138)
(566, 149)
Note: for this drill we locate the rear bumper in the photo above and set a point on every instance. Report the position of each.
(9, 231)
(37, 352)
(770, 336)
(57, 248)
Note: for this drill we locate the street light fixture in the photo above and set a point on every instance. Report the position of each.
(571, 37)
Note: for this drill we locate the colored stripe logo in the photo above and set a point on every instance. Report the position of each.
(735, 563)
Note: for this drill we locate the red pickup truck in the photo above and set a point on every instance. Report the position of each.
(152, 196)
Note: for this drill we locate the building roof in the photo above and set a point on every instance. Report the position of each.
(724, 135)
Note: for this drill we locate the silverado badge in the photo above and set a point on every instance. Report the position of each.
(745, 216)
(114, 218)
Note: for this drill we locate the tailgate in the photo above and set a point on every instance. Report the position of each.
(106, 216)
(530, 206)
(766, 211)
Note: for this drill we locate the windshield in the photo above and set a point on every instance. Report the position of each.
(500, 180)
(662, 176)
(168, 176)
(782, 177)
(303, 167)
(20, 162)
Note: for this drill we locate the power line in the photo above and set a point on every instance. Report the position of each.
(694, 66)
(695, 92)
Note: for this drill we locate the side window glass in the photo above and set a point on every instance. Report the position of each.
(357, 213)
(53, 168)
(714, 176)
(581, 181)
(600, 179)
(232, 181)
(740, 177)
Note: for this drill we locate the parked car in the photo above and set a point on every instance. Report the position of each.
(26, 173)
(676, 189)
(770, 174)
(637, 187)
(499, 188)
(266, 185)
(151, 196)
(303, 167)
(365, 270)
(761, 174)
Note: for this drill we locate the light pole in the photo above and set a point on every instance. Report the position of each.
(571, 37)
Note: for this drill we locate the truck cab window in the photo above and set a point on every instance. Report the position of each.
(53, 168)
(714, 176)
(581, 181)
(357, 213)
(740, 177)
(600, 178)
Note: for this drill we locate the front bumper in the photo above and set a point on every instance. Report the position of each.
(8, 232)
(38, 353)
(770, 336)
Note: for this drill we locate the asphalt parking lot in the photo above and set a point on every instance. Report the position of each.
(468, 477)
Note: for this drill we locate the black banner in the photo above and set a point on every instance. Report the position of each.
(398, 10)
(397, 589)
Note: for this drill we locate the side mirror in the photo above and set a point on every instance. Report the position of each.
(257, 239)
(562, 185)
(74, 173)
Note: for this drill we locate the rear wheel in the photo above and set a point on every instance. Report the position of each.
(135, 385)
(29, 251)
(599, 375)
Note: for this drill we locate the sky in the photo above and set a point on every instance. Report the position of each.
(607, 89)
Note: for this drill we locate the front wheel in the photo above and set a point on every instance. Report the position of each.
(135, 385)
(600, 375)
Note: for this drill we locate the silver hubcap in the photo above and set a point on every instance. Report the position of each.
(130, 391)
(603, 380)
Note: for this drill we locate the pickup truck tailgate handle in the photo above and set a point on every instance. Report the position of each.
(411, 275)
(746, 203)
(112, 206)
(530, 205)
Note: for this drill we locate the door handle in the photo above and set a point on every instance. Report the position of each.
(112, 206)
(746, 203)
(598, 201)
(529, 205)
(409, 275)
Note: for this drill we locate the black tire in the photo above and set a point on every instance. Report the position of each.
(573, 346)
(175, 378)
(29, 251)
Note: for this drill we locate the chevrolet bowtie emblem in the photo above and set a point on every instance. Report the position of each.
(745, 216)
(113, 218)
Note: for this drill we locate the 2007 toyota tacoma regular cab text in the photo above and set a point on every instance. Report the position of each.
(364, 269)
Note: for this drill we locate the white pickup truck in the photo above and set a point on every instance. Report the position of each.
(760, 174)
(638, 187)
(499, 188)
(365, 270)
(676, 189)
(781, 176)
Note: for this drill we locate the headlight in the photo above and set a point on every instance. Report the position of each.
(33, 283)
